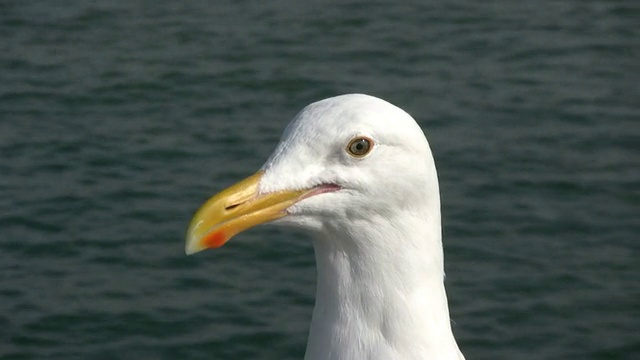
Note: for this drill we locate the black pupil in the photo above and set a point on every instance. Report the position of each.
(360, 147)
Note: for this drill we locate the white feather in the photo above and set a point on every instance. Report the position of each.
(377, 241)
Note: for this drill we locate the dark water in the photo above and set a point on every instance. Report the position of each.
(117, 119)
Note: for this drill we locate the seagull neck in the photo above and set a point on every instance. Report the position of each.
(381, 294)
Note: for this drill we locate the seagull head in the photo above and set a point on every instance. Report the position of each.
(340, 161)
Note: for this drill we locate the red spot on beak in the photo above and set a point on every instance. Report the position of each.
(215, 239)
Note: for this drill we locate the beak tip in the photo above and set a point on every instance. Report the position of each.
(211, 240)
(193, 243)
(190, 249)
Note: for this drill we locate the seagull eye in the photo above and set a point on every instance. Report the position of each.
(360, 146)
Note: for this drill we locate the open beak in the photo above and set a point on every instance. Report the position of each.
(238, 208)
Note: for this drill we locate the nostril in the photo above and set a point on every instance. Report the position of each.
(231, 207)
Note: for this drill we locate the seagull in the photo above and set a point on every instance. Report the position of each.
(357, 174)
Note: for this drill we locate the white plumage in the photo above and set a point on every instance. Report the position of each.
(377, 240)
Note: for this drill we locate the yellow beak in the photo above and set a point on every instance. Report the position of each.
(235, 209)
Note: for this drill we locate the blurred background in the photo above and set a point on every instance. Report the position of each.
(119, 118)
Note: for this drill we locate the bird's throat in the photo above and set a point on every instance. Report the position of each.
(380, 298)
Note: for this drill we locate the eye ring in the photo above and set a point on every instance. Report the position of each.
(359, 146)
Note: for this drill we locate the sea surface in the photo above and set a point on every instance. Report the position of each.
(119, 118)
